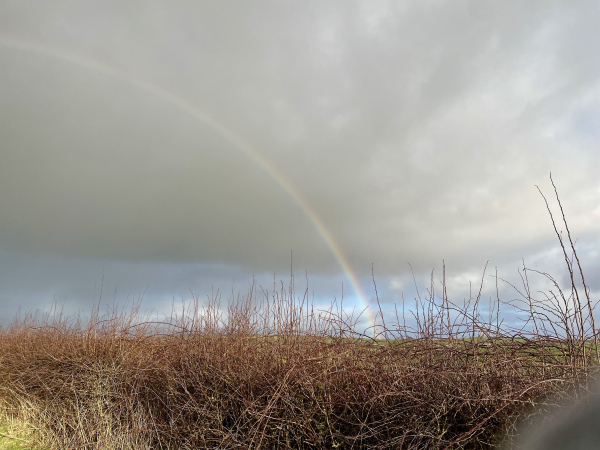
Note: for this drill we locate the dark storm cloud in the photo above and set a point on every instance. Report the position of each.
(416, 131)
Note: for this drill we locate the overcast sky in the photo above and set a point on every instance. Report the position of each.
(176, 146)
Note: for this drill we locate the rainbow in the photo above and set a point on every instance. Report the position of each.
(218, 127)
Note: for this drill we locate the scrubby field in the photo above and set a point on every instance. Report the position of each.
(278, 376)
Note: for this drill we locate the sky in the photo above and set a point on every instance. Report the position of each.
(161, 149)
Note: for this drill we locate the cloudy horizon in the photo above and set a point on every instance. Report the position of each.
(175, 147)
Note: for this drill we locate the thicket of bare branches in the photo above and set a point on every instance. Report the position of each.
(269, 371)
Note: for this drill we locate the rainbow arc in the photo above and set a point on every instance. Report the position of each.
(218, 127)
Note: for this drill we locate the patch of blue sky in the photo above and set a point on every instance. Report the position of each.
(586, 121)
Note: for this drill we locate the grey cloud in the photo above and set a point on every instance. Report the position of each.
(414, 131)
